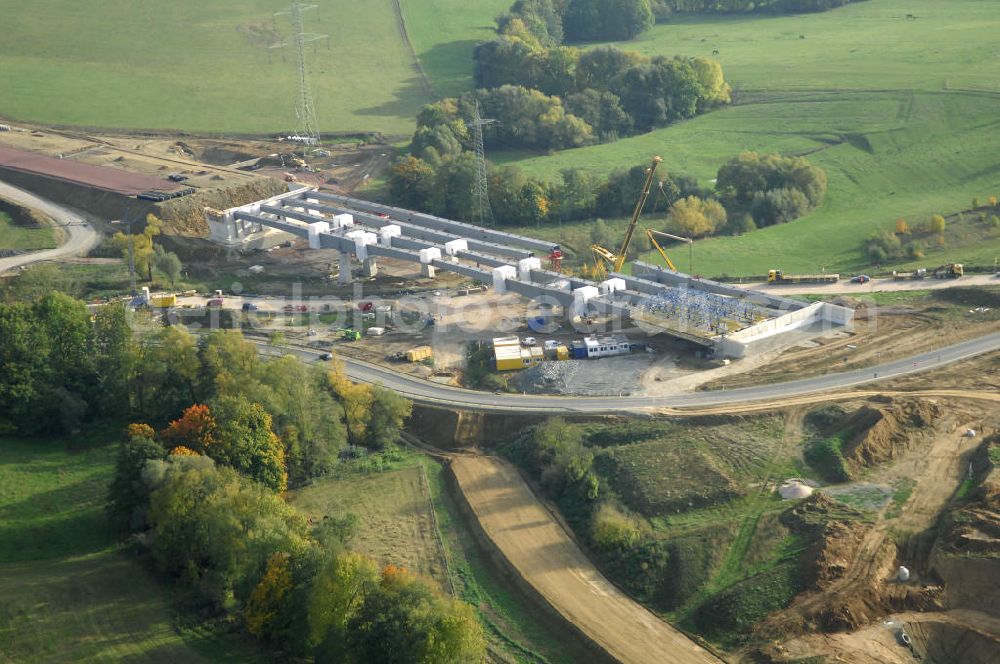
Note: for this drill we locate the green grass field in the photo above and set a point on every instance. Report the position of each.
(204, 67)
(24, 239)
(66, 592)
(902, 115)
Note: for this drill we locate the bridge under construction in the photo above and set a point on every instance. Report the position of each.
(720, 318)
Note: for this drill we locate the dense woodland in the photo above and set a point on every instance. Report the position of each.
(218, 434)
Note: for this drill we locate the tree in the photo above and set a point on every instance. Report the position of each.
(902, 228)
(607, 20)
(228, 361)
(411, 183)
(247, 442)
(268, 608)
(196, 429)
(115, 356)
(128, 497)
(602, 111)
(168, 263)
(599, 233)
(404, 620)
(338, 590)
(387, 413)
(937, 224)
(882, 245)
(694, 217)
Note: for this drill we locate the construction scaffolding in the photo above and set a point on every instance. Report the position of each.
(700, 311)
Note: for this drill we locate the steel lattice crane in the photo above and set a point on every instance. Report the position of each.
(605, 257)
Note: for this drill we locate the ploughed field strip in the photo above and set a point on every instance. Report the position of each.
(544, 555)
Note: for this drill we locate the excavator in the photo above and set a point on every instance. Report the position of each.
(603, 258)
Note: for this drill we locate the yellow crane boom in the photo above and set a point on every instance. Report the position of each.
(617, 261)
(651, 235)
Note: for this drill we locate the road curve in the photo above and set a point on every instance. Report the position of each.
(82, 236)
(427, 392)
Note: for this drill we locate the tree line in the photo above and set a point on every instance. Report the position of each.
(752, 191)
(250, 556)
(664, 9)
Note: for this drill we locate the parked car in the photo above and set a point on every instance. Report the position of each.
(326, 356)
(215, 302)
(249, 306)
(861, 279)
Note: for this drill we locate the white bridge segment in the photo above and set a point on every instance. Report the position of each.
(500, 276)
(375, 230)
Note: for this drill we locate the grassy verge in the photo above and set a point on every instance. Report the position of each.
(21, 238)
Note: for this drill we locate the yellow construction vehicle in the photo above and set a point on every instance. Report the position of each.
(650, 233)
(605, 257)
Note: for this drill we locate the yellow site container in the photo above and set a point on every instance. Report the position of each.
(163, 301)
(562, 353)
(419, 353)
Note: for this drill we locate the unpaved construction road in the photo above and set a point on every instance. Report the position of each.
(544, 554)
(845, 287)
(82, 236)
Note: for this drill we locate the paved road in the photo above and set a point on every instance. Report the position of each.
(845, 287)
(82, 236)
(424, 391)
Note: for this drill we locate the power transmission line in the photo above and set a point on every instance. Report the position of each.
(484, 213)
(308, 127)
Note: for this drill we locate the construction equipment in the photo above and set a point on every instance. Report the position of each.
(650, 233)
(949, 271)
(919, 273)
(351, 335)
(779, 277)
(605, 257)
(163, 301)
(419, 353)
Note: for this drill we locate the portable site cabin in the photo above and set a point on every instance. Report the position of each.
(592, 347)
(516, 357)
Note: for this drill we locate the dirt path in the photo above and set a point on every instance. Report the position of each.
(545, 555)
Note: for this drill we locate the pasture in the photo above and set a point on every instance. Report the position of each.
(901, 113)
(204, 67)
(66, 593)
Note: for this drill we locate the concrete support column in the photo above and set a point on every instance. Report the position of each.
(345, 268)
(370, 267)
(428, 270)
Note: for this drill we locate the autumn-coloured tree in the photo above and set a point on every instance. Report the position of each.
(180, 450)
(269, 600)
(902, 228)
(695, 217)
(937, 224)
(139, 430)
(196, 429)
(993, 201)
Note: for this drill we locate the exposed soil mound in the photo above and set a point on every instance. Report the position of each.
(847, 570)
(185, 216)
(945, 642)
(974, 528)
(873, 434)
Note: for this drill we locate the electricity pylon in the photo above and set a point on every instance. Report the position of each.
(308, 127)
(484, 213)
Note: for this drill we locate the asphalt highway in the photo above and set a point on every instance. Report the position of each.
(427, 392)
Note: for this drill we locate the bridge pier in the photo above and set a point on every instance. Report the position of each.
(370, 267)
(427, 270)
(345, 268)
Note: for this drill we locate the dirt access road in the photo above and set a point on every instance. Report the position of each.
(544, 554)
(846, 287)
(82, 236)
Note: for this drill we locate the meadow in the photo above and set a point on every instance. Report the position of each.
(204, 67)
(66, 592)
(13, 236)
